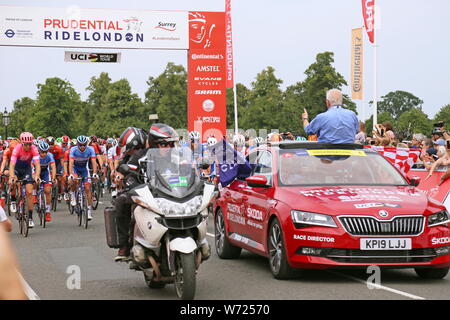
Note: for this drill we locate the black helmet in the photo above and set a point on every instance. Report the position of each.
(132, 138)
(160, 132)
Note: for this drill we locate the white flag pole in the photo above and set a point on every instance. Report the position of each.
(376, 29)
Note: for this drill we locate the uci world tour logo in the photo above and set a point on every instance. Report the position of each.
(9, 33)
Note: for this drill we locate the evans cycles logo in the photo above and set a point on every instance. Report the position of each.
(168, 26)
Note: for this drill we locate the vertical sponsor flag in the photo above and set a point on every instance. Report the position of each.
(229, 47)
(357, 64)
(368, 8)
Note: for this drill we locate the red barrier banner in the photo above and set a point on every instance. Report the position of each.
(207, 74)
(431, 186)
(402, 158)
(368, 9)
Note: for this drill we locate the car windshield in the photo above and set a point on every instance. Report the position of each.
(301, 167)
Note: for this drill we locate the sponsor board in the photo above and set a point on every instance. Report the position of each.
(93, 28)
(71, 56)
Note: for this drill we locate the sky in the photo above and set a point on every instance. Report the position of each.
(413, 52)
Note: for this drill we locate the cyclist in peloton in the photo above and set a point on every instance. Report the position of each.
(58, 155)
(20, 169)
(79, 157)
(47, 164)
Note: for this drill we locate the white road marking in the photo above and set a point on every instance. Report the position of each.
(28, 290)
(378, 286)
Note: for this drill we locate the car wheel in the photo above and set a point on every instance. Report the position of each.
(224, 249)
(277, 253)
(432, 273)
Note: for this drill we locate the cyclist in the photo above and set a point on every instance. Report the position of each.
(46, 161)
(20, 168)
(79, 157)
(113, 161)
(58, 155)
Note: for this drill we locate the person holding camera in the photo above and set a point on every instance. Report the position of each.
(384, 134)
(337, 125)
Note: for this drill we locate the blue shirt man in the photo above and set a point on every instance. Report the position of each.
(337, 125)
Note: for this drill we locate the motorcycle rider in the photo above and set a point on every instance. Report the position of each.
(134, 142)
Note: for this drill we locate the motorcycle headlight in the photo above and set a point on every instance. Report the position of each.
(311, 218)
(170, 208)
(438, 218)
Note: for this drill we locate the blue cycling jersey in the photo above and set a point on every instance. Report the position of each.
(46, 161)
(81, 159)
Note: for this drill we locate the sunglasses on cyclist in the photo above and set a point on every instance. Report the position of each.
(166, 144)
(27, 144)
(82, 145)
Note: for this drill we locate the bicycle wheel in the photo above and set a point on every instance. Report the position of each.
(39, 210)
(95, 196)
(54, 197)
(43, 210)
(25, 217)
(85, 212)
(79, 209)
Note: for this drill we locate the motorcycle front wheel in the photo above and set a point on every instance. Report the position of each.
(185, 274)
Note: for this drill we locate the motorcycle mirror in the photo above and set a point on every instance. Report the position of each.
(124, 168)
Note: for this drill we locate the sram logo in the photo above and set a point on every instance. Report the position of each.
(255, 214)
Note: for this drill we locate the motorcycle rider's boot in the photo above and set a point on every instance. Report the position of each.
(205, 250)
(123, 254)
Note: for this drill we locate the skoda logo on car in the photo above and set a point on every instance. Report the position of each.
(383, 213)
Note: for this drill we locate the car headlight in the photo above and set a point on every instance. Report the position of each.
(311, 218)
(170, 208)
(438, 218)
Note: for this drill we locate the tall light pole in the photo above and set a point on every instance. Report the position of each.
(6, 120)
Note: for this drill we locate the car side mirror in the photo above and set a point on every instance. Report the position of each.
(257, 181)
(414, 181)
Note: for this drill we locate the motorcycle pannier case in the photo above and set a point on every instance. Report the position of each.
(112, 234)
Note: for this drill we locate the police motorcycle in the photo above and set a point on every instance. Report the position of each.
(170, 220)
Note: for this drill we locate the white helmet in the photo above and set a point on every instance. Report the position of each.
(239, 139)
(194, 135)
(211, 141)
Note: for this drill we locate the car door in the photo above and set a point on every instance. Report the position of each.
(258, 201)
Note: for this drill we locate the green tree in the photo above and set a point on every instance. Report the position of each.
(321, 76)
(398, 102)
(444, 115)
(96, 103)
(264, 102)
(22, 110)
(412, 121)
(53, 112)
(242, 102)
(124, 109)
(166, 96)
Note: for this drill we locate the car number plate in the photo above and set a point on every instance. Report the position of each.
(385, 244)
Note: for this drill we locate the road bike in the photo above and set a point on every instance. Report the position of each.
(81, 208)
(41, 205)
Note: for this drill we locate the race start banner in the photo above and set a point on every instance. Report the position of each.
(201, 33)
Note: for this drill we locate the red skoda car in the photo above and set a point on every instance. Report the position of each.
(315, 205)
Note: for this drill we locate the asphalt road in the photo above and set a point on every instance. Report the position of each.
(49, 258)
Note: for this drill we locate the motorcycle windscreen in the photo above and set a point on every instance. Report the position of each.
(172, 171)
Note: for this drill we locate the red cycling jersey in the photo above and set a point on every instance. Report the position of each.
(57, 152)
(96, 148)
